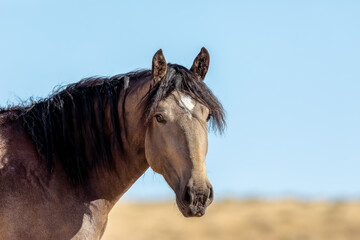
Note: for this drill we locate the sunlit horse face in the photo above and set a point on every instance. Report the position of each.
(176, 146)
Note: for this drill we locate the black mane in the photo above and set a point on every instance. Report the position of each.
(70, 124)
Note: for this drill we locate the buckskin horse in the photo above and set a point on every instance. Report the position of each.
(67, 159)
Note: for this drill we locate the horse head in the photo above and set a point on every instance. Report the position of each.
(176, 141)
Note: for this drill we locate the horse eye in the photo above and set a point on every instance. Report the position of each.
(209, 116)
(160, 118)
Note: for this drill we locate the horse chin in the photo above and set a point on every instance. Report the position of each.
(188, 211)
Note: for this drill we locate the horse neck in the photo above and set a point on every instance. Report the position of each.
(130, 161)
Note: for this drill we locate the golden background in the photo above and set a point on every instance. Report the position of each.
(242, 220)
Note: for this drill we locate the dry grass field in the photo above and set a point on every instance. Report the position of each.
(242, 220)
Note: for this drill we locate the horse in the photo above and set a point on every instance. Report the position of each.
(65, 160)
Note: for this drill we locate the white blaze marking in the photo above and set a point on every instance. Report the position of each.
(187, 102)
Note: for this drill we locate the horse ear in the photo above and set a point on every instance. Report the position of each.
(201, 64)
(159, 66)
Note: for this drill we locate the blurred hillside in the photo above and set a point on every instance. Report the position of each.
(241, 220)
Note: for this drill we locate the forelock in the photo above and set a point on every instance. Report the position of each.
(180, 79)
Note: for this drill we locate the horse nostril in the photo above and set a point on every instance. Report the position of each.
(188, 196)
(211, 194)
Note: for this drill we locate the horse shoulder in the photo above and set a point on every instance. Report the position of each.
(30, 203)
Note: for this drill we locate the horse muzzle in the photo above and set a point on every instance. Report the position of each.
(193, 200)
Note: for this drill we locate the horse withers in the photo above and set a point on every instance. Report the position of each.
(67, 159)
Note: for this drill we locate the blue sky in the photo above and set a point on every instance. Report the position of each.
(287, 73)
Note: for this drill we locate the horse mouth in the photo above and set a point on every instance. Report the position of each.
(193, 204)
(190, 212)
(191, 200)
